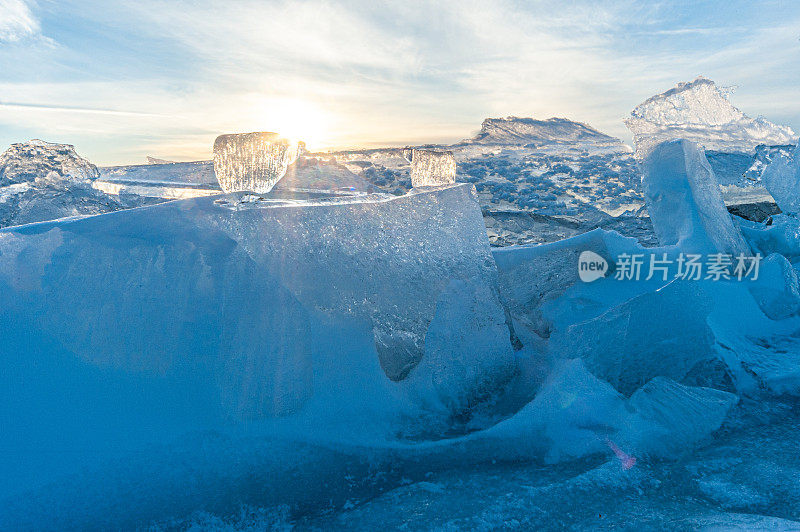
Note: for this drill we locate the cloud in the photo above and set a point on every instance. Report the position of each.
(73, 109)
(375, 73)
(16, 21)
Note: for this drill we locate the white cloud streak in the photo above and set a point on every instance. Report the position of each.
(16, 21)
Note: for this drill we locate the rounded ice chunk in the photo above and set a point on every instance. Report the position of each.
(252, 162)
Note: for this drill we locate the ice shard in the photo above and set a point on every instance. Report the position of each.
(685, 202)
(782, 179)
(432, 168)
(669, 417)
(701, 112)
(252, 162)
(776, 290)
(663, 333)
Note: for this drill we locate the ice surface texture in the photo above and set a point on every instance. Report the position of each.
(782, 179)
(318, 174)
(685, 202)
(670, 418)
(272, 306)
(37, 159)
(432, 167)
(195, 173)
(252, 161)
(700, 111)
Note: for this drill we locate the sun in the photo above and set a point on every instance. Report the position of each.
(295, 120)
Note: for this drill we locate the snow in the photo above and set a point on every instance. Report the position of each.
(432, 168)
(701, 112)
(252, 161)
(685, 203)
(782, 179)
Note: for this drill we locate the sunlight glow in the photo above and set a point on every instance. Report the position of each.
(295, 120)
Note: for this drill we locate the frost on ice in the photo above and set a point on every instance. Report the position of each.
(685, 202)
(252, 162)
(432, 168)
(700, 111)
(782, 179)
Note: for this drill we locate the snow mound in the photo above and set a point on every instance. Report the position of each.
(252, 161)
(432, 168)
(700, 111)
(685, 202)
(39, 160)
(515, 130)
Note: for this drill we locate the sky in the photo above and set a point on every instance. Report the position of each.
(122, 80)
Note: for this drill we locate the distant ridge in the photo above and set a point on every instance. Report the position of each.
(516, 130)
